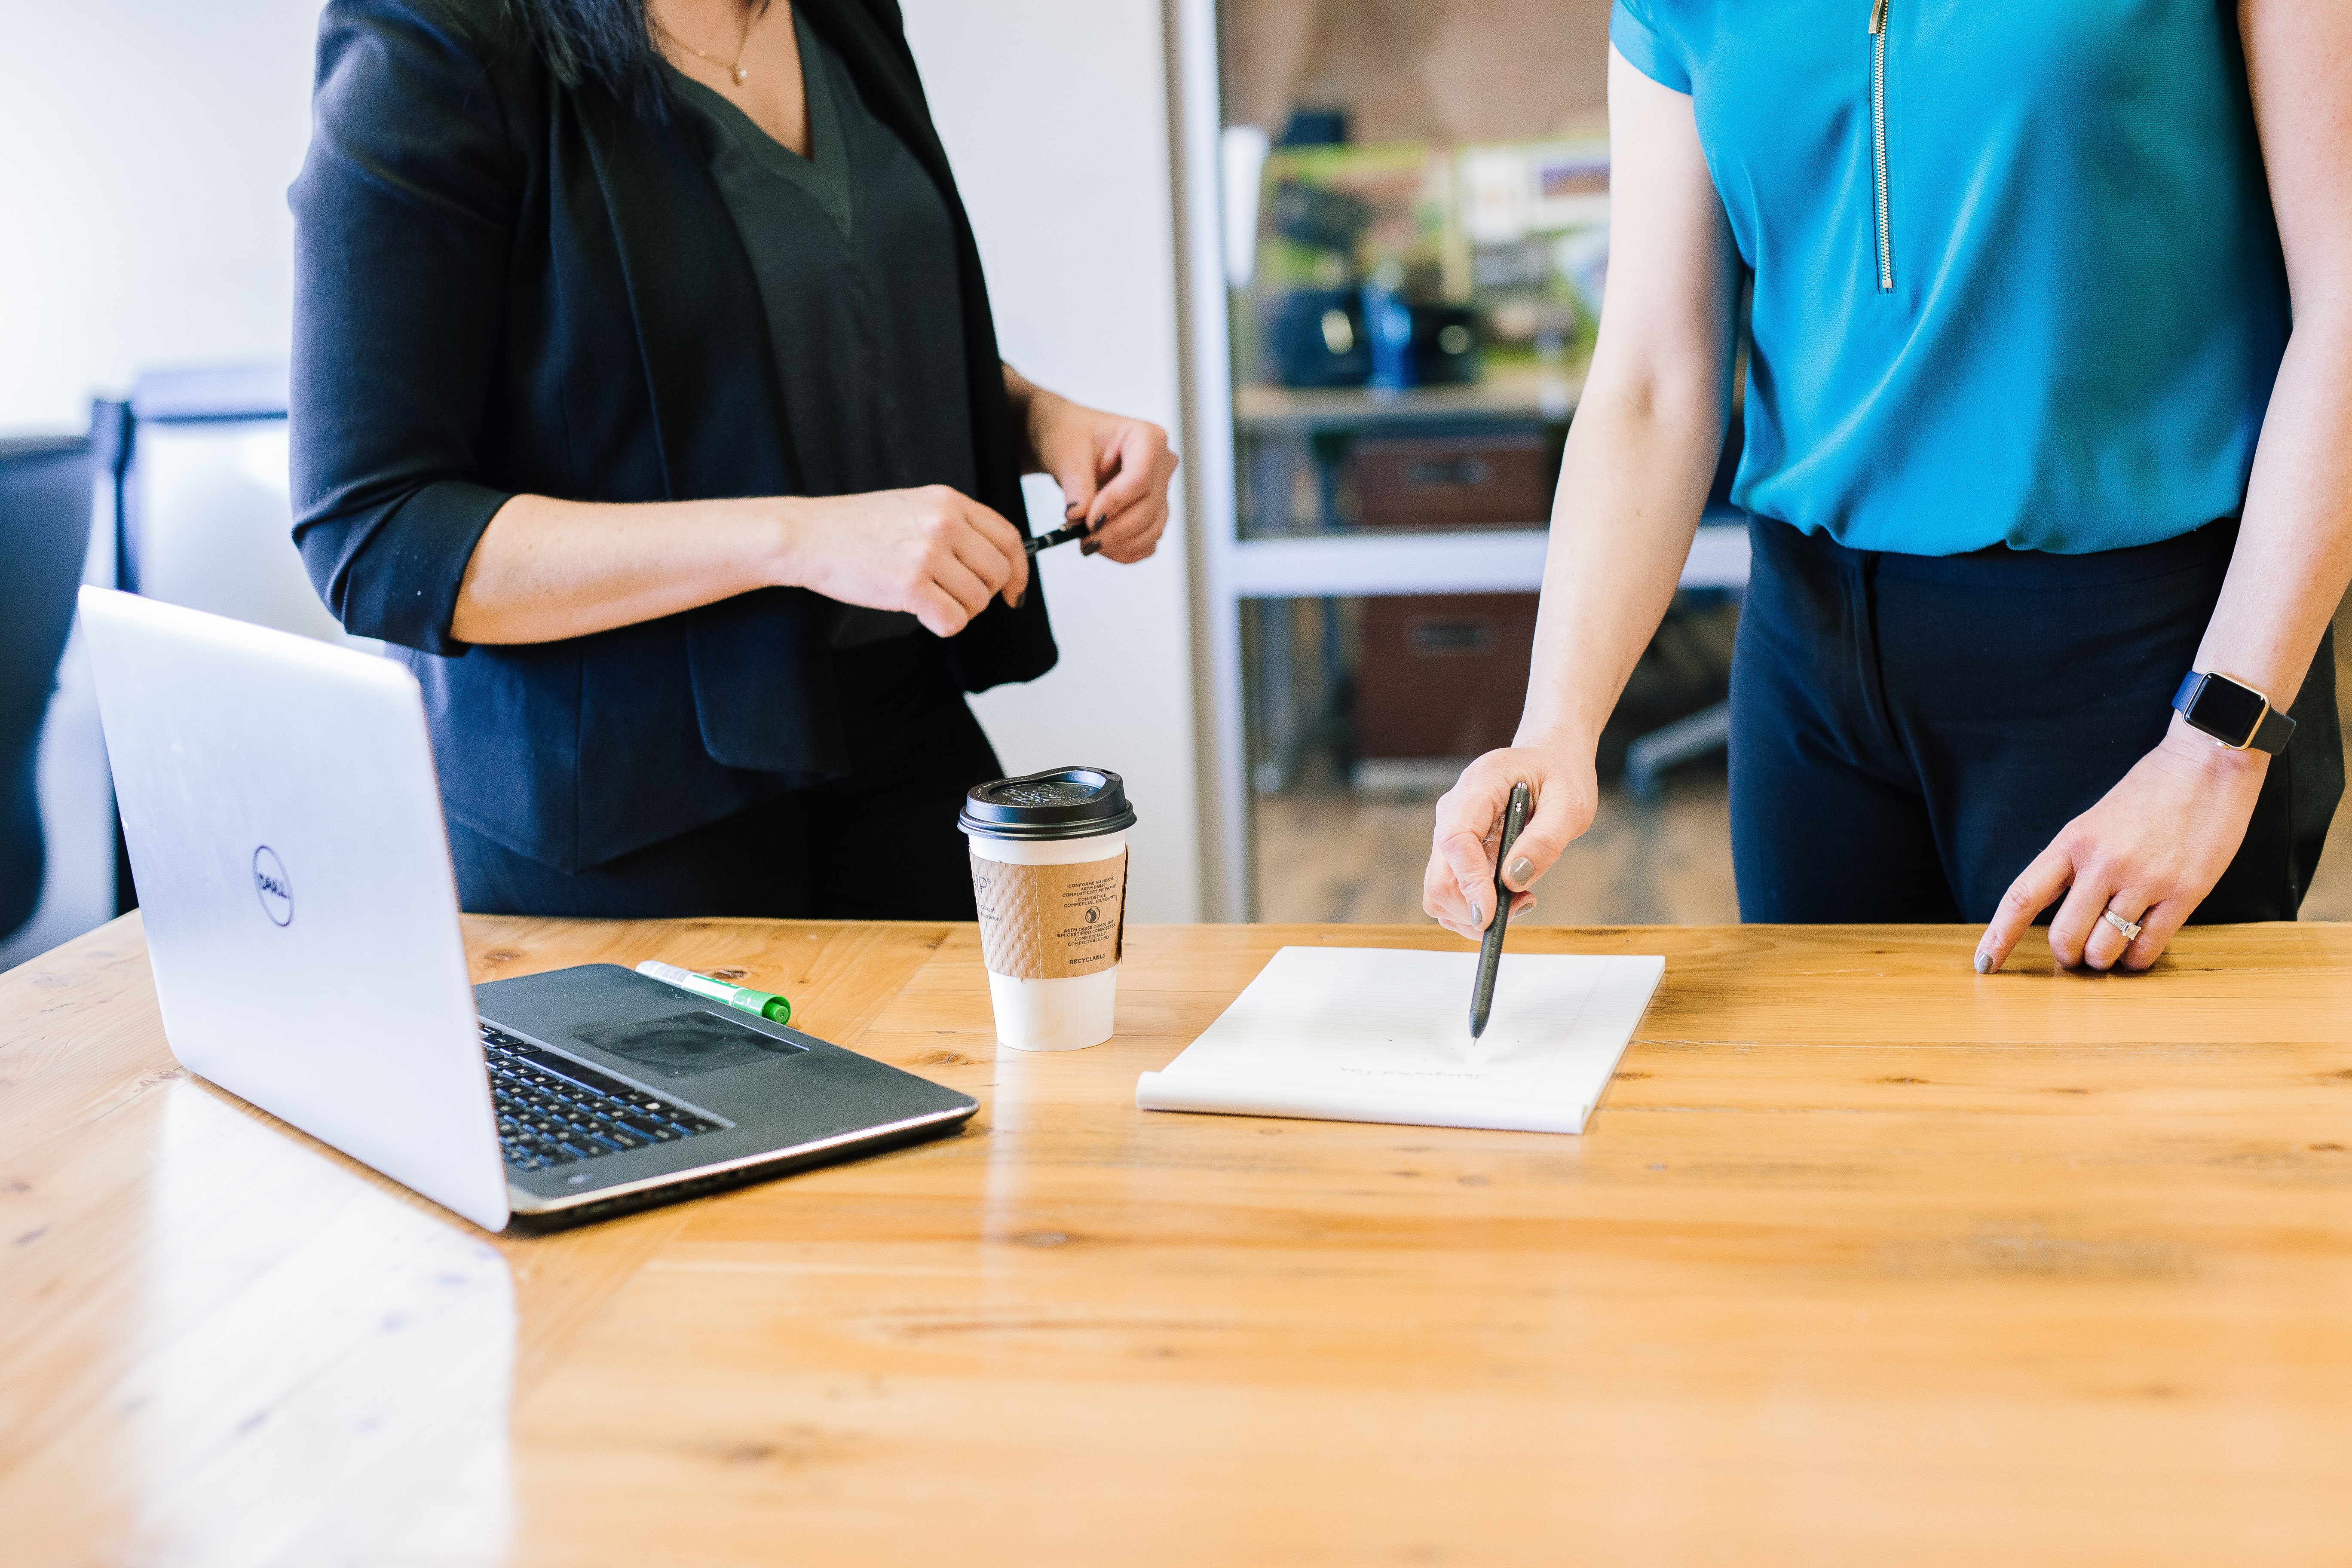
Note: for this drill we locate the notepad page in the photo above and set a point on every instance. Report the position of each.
(1377, 1034)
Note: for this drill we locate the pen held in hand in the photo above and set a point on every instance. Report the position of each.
(1490, 951)
(1062, 535)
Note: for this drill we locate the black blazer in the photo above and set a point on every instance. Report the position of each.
(506, 286)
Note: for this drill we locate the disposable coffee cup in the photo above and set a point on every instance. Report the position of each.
(1049, 874)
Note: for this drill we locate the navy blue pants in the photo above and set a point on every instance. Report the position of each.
(1909, 731)
(880, 843)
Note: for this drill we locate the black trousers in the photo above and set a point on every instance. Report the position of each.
(1908, 731)
(880, 842)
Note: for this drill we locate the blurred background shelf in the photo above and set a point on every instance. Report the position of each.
(1518, 393)
(1504, 560)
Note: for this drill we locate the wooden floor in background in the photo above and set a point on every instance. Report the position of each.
(1345, 857)
(1337, 856)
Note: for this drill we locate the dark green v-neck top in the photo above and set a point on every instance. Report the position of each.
(856, 258)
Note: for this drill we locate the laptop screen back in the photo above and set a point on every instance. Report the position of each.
(285, 830)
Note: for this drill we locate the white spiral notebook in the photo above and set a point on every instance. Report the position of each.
(1361, 1033)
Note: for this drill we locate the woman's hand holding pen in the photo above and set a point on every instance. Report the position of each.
(934, 553)
(547, 569)
(1458, 886)
(1114, 471)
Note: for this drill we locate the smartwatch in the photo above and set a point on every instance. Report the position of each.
(2236, 716)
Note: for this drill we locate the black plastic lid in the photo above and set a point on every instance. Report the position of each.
(1060, 803)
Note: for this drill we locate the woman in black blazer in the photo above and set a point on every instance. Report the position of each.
(645, 399)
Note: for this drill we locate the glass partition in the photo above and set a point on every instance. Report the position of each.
(1412, 246)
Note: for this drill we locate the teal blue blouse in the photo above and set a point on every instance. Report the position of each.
(2017, 275)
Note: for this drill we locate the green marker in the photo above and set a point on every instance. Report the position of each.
(766, 1003)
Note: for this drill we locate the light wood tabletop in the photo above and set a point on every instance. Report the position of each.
(1864, 1259)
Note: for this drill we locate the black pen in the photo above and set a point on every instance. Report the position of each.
(1062, 535)
(1490, 952)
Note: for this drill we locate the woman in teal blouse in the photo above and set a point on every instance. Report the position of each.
(2048, 454)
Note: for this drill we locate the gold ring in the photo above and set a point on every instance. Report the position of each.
(2129, 927)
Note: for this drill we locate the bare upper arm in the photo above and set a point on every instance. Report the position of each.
(2299, 68)
(1667, 327)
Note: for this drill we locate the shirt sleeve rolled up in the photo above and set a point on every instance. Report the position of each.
(405, 219)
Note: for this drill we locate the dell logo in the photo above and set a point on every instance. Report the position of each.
(270, 885)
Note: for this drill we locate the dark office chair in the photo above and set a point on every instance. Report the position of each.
(46, 497)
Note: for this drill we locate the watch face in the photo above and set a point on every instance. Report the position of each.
(2226, 710)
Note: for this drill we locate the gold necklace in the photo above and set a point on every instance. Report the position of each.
(736, 68)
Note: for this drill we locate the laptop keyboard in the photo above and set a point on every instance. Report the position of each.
(553, 1110)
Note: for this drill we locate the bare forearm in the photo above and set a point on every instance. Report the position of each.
(1632, 484)
(2294, 543)
(548, 569)
(2294, 540)
(1032, 403)
(1647, 439)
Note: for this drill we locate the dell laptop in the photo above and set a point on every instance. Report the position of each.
(285, 828)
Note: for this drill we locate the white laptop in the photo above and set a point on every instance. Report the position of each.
(285, 830)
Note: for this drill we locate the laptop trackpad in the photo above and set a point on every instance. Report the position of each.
(687, 1044)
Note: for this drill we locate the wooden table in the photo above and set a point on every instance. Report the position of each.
(1864, 1260)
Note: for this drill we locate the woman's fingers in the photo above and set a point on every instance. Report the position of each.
(962, 588)
(1077, 493)
(1558, 819)
(2105, 944)
(1133, 534)
(933, 605)
(1458, 891)
(1113, 473)
(2149, 850)
(2036, 888)
(2079, 937)
(1458, 887)
(965, 548)
(2159, 923)
(978, 554)
(1468, 901)
(1135, 465)
(1007, 543)
(1441, 899)
(2159, 918)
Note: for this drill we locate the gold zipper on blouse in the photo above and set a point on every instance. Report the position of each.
(1878, 143)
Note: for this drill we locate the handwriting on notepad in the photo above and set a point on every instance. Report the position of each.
(1409, 1072)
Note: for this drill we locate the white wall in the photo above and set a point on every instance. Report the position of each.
(145, 148)
(1056, 115)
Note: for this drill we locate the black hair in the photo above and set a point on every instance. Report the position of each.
(609, 43)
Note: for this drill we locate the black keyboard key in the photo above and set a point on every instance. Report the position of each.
(552, 1111)
(540, 1063)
